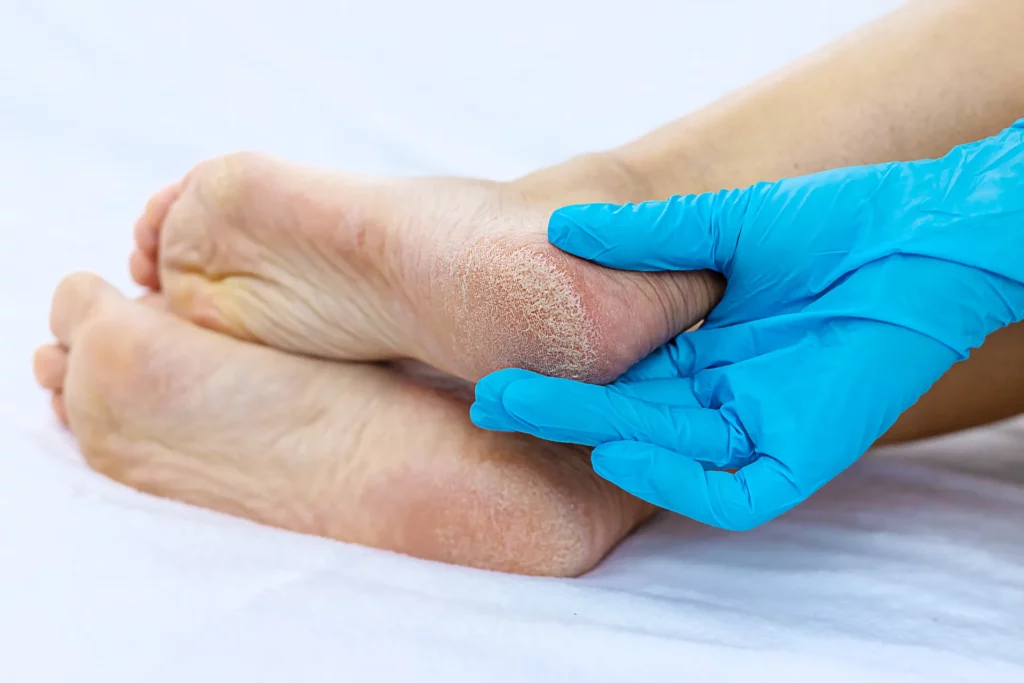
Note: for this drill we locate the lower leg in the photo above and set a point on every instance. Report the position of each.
(929, 76)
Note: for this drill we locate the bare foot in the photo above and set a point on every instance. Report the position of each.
(354, 452)
(455, 273)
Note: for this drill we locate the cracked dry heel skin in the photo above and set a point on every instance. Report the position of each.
(384, 457)
(522, 303)
(455, 273)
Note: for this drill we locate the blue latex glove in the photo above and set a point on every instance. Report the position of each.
(849, 293)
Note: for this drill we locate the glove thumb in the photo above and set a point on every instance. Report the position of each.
(690, 232)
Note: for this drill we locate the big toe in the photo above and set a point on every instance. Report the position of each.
(78, 298)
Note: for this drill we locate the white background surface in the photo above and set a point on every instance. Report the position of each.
(897, 571)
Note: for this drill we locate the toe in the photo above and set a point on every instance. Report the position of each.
(143, 269)
(147, 228)
(49, 365)
(57, 402)
(77, 299)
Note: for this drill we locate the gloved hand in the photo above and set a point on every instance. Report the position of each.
(849, 293)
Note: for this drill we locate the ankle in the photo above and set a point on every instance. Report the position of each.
(599, 177)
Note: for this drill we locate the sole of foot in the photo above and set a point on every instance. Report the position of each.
(455, 273)
(355, 452)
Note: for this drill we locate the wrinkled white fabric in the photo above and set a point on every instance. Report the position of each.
(908, 568)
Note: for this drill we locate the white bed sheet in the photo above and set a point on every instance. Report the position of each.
(904, 569)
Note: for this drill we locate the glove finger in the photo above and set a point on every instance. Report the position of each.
(661, 363)
(692, 352)
(561, 410)
(755, 494)
(487, 411)
(689, 232)
(717, 347)
(673, 391)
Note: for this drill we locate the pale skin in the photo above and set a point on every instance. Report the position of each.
(339, 270)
